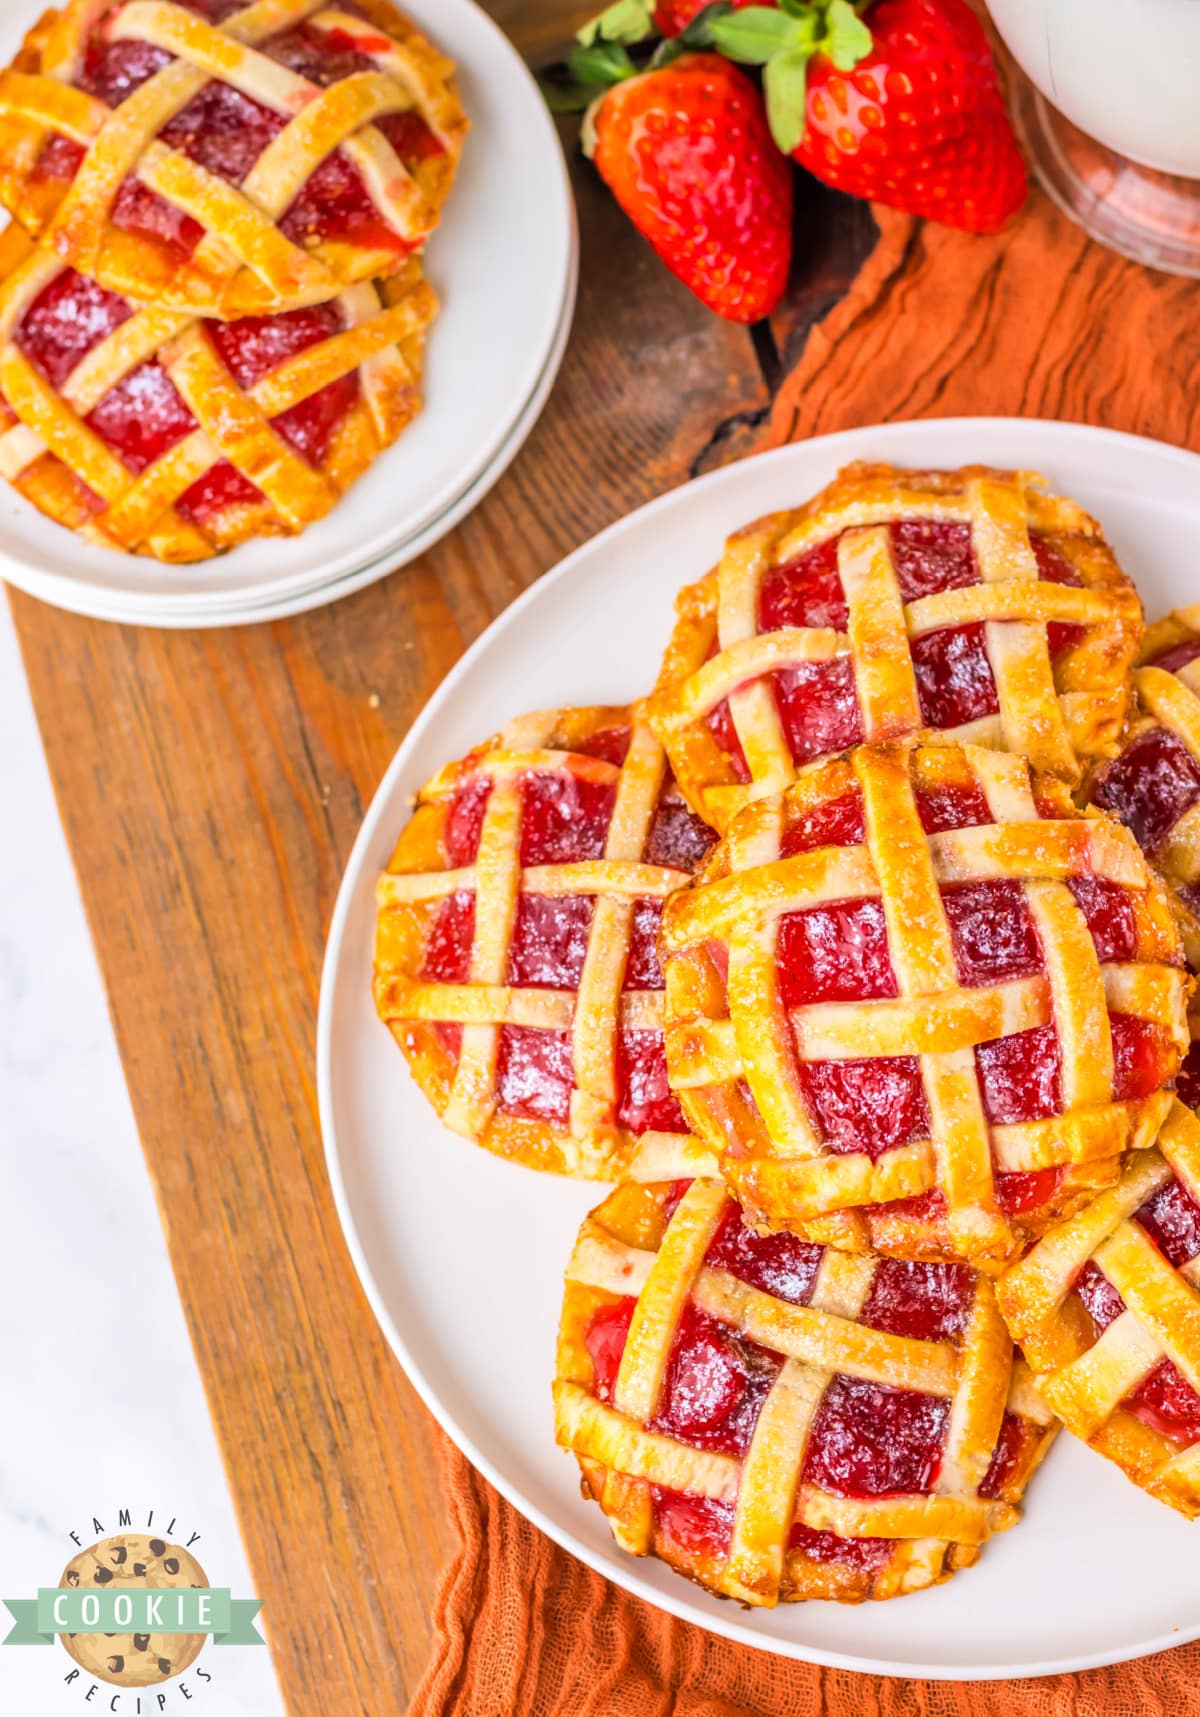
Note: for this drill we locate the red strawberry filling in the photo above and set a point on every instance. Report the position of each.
(1187, 1085)
(564, 820)
(716, 1383)
(834, 953)
(1177, 657)
(647, 1103)
(926, 1302)
(535, 1074)
(866, 1439)
(1150, 786)
(838, 952)
(778, 1264)
(1171, 1217)
(225, 131)
(834, 823)
(867, 1555)
(1010, 1447)
(817, 702)
(144, 416)
(695, 1525)
(605, 1341)
(66, 319)
(872, 1105)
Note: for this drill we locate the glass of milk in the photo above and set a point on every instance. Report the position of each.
(1111, 117)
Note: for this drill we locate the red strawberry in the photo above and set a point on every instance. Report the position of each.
(902, 105)
(687, 153)
(928, 71)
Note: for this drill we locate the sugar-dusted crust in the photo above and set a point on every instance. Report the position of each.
(245, 265)
(460, 1081)
(56, 460)
(733, 1048)
(627, 1247)
(1062, 716)
(1086, 1378)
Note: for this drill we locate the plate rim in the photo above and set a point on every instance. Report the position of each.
(629, 1579)
(71, 593)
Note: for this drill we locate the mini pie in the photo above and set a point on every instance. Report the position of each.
(780, 1420)
(1107, 1309)
(229, 159)
(151, 431)
(1154, 785)
(964, 603)
(516, 961)
(921, 1003)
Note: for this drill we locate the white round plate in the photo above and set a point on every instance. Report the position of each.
(502, 266)
(255, 611)
(462, 1255)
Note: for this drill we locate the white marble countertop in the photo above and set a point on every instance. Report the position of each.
(103, 1404)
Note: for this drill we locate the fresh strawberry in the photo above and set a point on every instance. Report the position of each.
(687, 153)
(928, 72)
(901, 104)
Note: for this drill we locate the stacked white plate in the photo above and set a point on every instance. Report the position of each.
(503, 262)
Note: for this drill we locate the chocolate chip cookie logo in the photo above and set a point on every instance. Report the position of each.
(134, 1611)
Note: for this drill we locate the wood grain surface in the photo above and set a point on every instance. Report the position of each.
(211, 784)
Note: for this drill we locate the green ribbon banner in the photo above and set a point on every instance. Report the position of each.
(134, 1610)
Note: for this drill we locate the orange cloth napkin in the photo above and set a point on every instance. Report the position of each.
(1038, 322)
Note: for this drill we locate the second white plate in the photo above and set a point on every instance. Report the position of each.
(502, 266)
(462, 1255)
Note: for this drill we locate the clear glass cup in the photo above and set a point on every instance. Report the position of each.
(1110, 117)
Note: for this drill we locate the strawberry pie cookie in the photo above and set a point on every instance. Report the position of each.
(517, 948)
(778, 1420)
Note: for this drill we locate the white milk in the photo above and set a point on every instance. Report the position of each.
(1127, 72)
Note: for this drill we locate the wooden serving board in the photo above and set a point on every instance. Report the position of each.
(211, 784)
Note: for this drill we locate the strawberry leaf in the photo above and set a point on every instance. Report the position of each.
(625, 21)
(846, 39)
(756, 34)
(602, 64)
(785, 83)
(563, 96)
